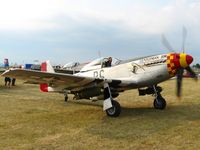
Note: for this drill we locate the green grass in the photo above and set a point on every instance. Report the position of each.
(30, 119)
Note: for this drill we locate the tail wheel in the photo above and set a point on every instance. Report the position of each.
(115, 110)
(159, 103)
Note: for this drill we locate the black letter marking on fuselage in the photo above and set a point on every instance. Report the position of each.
(99, 74)
(96, 74)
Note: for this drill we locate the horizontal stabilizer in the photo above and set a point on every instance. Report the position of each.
(44, 87)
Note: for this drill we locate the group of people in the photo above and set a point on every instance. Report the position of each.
(9, 81)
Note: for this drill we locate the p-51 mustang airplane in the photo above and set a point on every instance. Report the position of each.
(106, 82)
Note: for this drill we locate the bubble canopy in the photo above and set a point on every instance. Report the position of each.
(97, 63)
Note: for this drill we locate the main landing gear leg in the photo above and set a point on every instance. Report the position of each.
(112, 107)
(159, 102)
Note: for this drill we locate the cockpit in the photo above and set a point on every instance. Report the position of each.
(102, 62)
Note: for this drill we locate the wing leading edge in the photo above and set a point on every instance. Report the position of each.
(56, 79)
(67, 81)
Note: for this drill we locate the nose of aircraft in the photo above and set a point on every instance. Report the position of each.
(179, 60)
(185, 60)
(189, 59)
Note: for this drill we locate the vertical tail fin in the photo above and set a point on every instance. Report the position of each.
(46, 67)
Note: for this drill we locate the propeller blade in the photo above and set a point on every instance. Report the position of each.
(192, 73)
(179, 81)
(184, 38)
(166, 43)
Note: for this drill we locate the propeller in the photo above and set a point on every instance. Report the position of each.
(188, 68)
(187, 58)
(179, 81)
(184, 38)
(192, 73)
(166, 43)
(180, 77)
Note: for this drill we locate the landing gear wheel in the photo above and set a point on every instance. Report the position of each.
(66, 98)
(115, 110)
(159, 103)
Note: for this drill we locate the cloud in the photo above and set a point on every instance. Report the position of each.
(70, 29)
(27, 15)
(144, 17)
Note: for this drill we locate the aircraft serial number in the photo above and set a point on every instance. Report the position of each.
(99, 74)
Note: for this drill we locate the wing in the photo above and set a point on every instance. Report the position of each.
(66, 81)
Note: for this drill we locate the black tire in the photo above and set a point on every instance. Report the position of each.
(159, 103)
(115, 110)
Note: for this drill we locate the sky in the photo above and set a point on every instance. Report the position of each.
(80, 30)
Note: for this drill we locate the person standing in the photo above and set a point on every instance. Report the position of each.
(7, 81)
(13, 81)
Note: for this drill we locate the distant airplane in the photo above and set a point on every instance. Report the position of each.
(71, 68)
(70, 65)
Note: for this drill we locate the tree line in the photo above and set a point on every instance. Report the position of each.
(197, 66)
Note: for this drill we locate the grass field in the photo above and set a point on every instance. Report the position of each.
(30, 119)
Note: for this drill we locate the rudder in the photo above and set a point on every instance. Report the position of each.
(46, 67)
